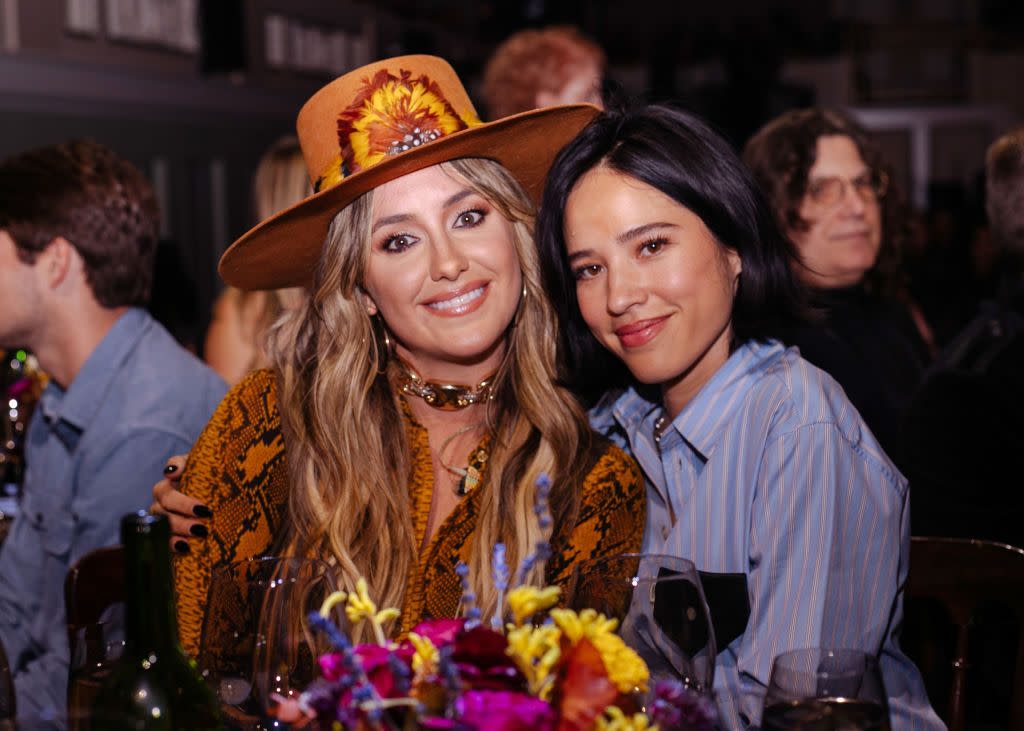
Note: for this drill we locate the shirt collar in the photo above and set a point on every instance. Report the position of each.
(701, 421)
(77, 406)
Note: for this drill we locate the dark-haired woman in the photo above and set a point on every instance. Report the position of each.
(661, 252)
(832, 198)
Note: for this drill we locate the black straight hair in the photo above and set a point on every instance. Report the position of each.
(676, 153)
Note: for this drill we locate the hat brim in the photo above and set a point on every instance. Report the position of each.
(283, 250)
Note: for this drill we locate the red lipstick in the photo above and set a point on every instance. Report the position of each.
(640, 332)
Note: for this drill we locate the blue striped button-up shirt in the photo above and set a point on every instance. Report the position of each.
(770, 471)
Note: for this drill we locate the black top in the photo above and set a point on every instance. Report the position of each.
(873, 349)
(964, 438)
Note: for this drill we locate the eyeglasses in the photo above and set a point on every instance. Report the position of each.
(828, 192)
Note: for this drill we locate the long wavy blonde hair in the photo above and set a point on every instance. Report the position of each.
(348, 454)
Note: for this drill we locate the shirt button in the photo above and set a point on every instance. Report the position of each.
(664, 531)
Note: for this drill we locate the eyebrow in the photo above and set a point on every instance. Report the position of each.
(641, 230)
(625, 236)
(403, 217)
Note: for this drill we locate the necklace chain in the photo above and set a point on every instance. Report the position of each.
(469, 478)
(444, 396)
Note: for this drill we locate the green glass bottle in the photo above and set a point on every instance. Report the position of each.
(154, 686)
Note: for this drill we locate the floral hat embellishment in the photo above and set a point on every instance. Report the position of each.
(391, 115)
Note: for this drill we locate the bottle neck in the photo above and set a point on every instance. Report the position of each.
(150, 623)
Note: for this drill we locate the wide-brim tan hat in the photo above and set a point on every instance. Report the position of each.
(373, 125)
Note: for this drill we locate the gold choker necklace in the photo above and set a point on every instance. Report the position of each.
(443, 396)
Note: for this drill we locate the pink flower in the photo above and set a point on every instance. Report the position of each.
(441, 632)
(376, 665)
(332, 666)
(489, 710)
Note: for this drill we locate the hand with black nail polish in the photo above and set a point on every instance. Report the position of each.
(189, 519)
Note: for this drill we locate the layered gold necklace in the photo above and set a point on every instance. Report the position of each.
(451, 397)
(443, 396)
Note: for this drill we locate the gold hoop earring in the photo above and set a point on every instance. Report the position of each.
(519, 309)
(384, 350)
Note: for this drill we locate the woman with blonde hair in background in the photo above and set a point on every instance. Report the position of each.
(360, 447)
(236, 339)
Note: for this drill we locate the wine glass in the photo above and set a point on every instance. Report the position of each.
(825, 690)
(257, 646)
(662, 612)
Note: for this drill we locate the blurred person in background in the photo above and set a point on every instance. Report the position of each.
(541, 68)
(236, 339)
(78, 233)
(833, 198)
(964, 432)
(965, 427)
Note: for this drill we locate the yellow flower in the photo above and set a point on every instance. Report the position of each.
(613, 719)
(525, 601)
(625, 668)
(424, 660)
(331, 601)
(587, 623)
(536, 651)
(360, 607)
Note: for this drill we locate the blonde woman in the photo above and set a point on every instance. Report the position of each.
(359, 446)
(236, 339)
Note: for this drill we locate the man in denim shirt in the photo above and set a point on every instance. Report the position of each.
(77, 240)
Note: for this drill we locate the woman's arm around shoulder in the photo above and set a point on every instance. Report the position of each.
(611, 516)
(237, 469)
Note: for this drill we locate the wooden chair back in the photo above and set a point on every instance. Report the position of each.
(964, 574)
(91, 586)
(7, 699)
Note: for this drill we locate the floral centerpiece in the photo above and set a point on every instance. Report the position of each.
(533, 667)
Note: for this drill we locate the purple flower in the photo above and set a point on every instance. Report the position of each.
(468, 600)
(677, 707)
(377, 664)
(332, 667)
(504, 711)
(19, 387)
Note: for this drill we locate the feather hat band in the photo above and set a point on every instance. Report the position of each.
(373, 125)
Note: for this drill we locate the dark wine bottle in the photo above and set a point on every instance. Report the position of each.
(154, 686)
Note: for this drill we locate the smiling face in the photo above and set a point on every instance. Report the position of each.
(443, 273)
(653, 284)
(844, 237)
